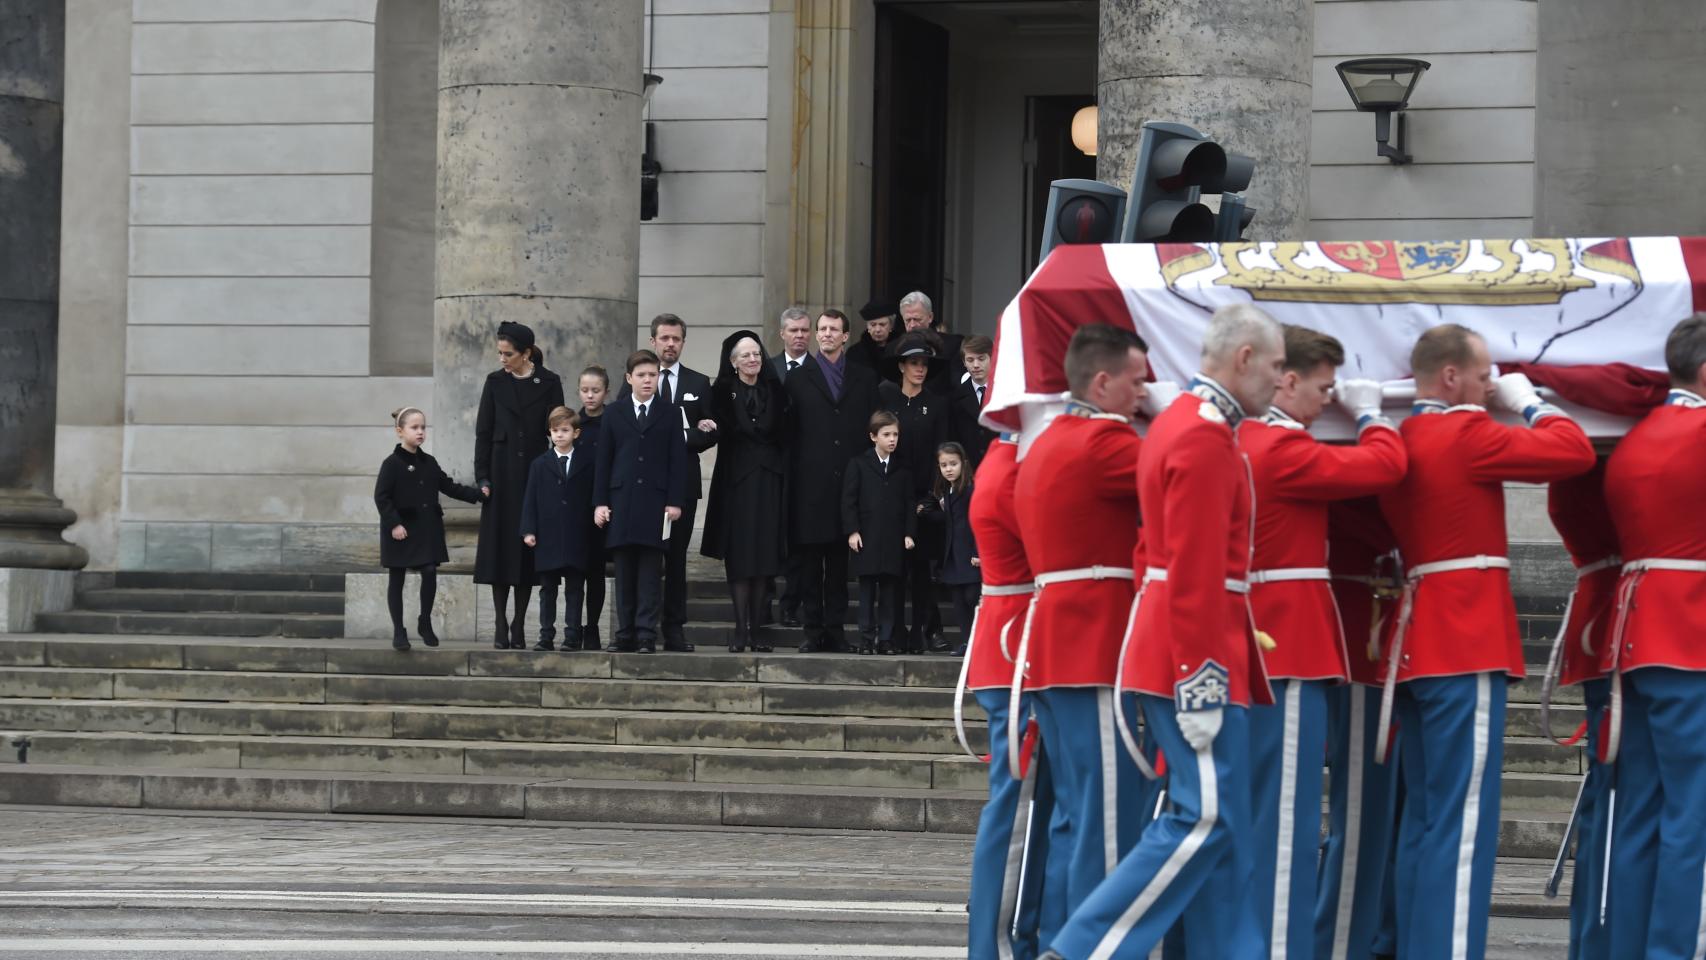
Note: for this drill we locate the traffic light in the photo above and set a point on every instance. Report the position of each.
(1233, 219)
(1176, 165)
(1082, 211)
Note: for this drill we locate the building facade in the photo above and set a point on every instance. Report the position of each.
(250, 226)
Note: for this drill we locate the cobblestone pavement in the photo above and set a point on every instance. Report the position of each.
(91, 884)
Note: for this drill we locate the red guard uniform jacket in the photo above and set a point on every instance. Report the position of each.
(1366, 579)
(1297, 477)
(1002, 555)
(1451, 505)
(1655, 485)
(1077, 504)
(1195, 492)
(1579, 512)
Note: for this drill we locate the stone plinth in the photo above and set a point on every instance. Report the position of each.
(461, 611)
(1237, 70)
(539, 142)
(24, 593)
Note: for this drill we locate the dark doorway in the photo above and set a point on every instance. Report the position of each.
(1049, 156)
(909, 156)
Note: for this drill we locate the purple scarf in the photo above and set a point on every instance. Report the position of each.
(833, 374)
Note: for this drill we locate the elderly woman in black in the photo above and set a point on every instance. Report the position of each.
(744, 525)
(509, 432)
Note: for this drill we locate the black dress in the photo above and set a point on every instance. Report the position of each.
(407, 495)
(509, 433)
(744, 520)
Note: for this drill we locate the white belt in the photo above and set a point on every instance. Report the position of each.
(1549, 682)
(1014, 720)
(1625, 603)
(1664, 563)
(1008, 589)
(1480, 561)
(1286, 574)
(1084, 573)
(1159, 575)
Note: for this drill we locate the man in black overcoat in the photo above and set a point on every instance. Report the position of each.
(830, 405)
(689, 391)
(641, 479)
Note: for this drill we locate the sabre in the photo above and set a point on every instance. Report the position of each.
(1605, 868)
(1570, 831)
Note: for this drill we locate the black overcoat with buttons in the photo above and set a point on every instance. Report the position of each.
(557, 509)
(509, 432)
(878, 506)
(824, 435)
(407, 495)
(642, 468)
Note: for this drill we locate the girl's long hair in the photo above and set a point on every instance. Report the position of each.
(941, 487)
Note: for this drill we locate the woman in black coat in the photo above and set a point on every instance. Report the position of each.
(509, 434)
(744, 525)
(411, 522)
(923, 417)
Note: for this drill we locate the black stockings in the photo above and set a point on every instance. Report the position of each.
(394, 592)
(500, 601)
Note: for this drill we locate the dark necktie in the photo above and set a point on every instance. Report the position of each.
(565, 466)
(666, 393)
(641, 419)
(793, 365)
(979, 395)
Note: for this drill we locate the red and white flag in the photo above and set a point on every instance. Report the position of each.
(1585, 317)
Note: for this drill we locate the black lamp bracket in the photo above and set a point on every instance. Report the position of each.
(1392, 148)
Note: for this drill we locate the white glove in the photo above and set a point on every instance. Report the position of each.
(1161, 395)
(1201, 726)
(1359, 398)
(1515, 392)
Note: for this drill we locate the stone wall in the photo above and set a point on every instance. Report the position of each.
(1471, 122)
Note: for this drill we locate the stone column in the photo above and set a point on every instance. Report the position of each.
(32, 520)
(539, 143)
(1237, 70)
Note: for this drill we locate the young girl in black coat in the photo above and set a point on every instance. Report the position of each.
(594, 389)
(411, 522)
(960, 573)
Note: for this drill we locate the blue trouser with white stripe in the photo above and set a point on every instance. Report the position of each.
(1452, 733)
(1658, 842)
(1192, 863)
(1288, 745)
(1097, 788)
(1012, 843)
(1361, 806)
(1589, 938)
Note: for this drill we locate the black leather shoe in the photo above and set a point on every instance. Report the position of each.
(808, 645)
(424, 627)
(518, 635)
(677, 646)
(546, 644)
(399, 639)
(790, 620)
(618, 648)
(939, 643)
(645, 648)
(589, 638)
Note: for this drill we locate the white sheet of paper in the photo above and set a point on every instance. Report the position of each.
(666, 525)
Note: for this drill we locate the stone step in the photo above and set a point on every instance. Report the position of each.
(208, 580)
(192, 624)
(718, 610)
(220, 601)
(498, 725)
(579, 761)
(531, 797)
(461, 658)
(690, 696)
(1522, 833)
(717, 633)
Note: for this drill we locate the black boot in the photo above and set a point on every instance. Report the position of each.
(742, 632)
(423, 626)
(518, 634)
(589, 638)
(399, 637)
(868, 642)
(500, 636)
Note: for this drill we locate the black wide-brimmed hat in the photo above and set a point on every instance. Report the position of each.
(879, 308)
(917, 343)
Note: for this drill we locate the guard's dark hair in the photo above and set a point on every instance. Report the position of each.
(1685, 350)
(1447, 345)
(1306, 349)
(1098, 348)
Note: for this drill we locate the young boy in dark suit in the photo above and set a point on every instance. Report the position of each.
(877, 513)
(641, 480)
(556, 521)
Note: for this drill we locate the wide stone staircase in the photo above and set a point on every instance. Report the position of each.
(132, 710)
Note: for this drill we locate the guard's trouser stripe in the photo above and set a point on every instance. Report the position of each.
(1015, 861)
(1110, 780)
(1175, 863)
(1287, 820)
(1471, 819)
